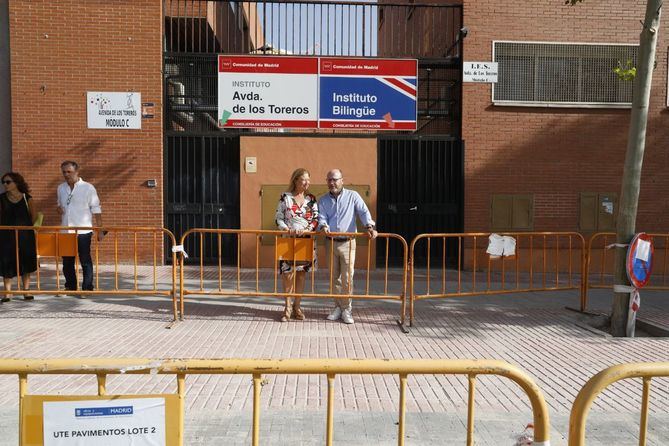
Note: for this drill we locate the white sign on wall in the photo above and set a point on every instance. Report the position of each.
(484, 72)
(123, 421)
(108, 110)
(267, 91)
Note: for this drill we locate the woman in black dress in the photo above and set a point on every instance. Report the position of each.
(17, 209)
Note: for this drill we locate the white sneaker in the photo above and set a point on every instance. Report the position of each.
(334, 314)
(346, 316)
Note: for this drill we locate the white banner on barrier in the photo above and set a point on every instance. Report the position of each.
(112, 422)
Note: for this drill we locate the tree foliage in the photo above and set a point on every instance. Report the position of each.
(626, 72)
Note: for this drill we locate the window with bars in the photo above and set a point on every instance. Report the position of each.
(544, 74)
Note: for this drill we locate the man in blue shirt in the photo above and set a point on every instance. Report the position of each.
(336, 213)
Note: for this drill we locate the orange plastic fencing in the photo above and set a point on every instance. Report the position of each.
(256, 274)
(459, 265)
(125, 262)
(56, 244)
(600, 263)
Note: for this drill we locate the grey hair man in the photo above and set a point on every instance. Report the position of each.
(338, 210)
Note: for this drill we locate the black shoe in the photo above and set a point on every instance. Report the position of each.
(4, 299)
(28, 297)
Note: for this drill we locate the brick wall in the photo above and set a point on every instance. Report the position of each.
(60, 49)
(558, 153)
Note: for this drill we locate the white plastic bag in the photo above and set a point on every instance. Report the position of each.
(526, 438)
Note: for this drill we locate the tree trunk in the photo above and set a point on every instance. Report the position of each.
(636, 141)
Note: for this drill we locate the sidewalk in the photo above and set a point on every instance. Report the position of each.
(531, 330)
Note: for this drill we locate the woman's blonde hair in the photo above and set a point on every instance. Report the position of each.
(297, 173)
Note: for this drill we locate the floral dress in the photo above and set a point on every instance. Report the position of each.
(289, 215)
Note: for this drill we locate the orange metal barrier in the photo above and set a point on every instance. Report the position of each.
(136, 247)
(599, 382)
(600, 259)
(260, 368)
(259, 278)
(543, 261)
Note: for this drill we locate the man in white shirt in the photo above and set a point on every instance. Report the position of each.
(79, 205)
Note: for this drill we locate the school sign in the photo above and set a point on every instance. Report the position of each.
(317, 92)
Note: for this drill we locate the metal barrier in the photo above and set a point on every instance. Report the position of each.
(101, 367)
(543, 261)
(128, 244)
(250, 283)
(600, 259)
(603, 379)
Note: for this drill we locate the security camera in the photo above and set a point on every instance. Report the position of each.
(464, 31)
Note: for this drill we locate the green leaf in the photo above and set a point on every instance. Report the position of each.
(626, 72)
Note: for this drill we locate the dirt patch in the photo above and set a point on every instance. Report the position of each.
(600, 324)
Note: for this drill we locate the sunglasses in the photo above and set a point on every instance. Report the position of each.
(7, 181)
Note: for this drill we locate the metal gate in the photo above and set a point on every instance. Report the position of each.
(421, 190)
(420, 177)
(202, 191)
(201, 163)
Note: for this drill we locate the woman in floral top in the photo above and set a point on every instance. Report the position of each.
(297, 213)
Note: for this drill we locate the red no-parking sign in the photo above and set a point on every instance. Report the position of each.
(640, 260)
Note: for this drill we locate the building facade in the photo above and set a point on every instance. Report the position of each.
(568, 160)
(477, 163)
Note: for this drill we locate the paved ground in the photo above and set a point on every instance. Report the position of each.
(531, 330)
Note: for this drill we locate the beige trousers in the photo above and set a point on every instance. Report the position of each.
(288, 288)
(343, 261)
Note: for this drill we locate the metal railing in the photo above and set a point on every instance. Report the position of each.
(596, 384)
(257, 368)
(137, 247)
(600, 263)
(197, 31)
(260, 279)
(542, 261)
(307, 27)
